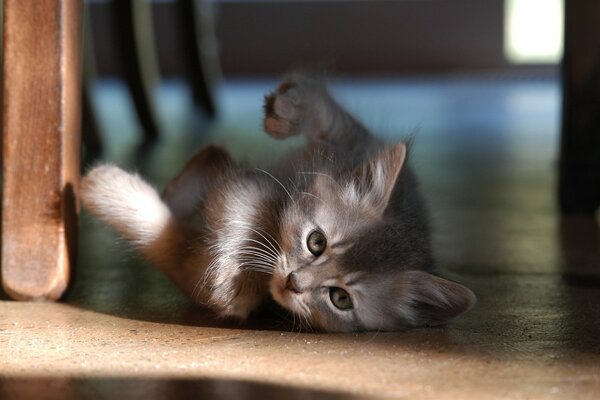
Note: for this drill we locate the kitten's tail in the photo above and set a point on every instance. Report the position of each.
(133, 208)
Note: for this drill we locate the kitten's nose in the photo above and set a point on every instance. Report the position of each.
(292, 283)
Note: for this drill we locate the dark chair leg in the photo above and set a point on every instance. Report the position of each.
(579, 183)
(138, 59)
(200, 62)
(91, 134)
(90, 131)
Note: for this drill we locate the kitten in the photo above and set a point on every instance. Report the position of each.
(337, 233)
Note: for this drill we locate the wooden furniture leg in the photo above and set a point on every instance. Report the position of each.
(579, 185)
(41, 128)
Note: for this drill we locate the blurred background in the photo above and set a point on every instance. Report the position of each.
(477, 81)
(390, 37)
(159, 69)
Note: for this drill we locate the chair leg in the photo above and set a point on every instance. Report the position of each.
(91, 133)
(136, 49)
(41, 125)
(579, 183)
(92, 139)
(197, 37)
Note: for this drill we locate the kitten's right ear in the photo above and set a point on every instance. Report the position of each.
(188, 189)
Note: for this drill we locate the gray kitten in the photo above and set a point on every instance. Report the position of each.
(337, 233)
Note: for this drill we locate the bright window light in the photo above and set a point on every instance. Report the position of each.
(533, 31)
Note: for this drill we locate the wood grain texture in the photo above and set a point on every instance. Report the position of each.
(41, 122)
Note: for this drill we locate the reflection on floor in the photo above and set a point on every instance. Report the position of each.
(485, 151)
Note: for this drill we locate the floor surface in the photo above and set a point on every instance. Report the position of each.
(486, 153)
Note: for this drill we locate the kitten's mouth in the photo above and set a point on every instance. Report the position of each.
(277, 287)
(280, 292)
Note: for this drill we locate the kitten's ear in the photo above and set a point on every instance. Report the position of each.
(427, 299)
(186, 190)
(377, 177)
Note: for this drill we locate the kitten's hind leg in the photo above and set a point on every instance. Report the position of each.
(185, 192)
(134, 209)
(125, 202)
(302, 105)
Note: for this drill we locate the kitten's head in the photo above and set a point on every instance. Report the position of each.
(355, 248)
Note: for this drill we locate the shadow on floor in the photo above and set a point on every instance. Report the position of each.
(134, 388)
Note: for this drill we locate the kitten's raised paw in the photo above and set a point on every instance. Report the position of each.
(283, 111)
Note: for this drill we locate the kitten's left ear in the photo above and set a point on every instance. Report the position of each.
(426, 299)
(378, 176)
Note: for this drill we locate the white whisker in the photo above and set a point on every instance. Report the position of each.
(256, 268)
(261, 262)
(266, 252)
(264, 249)
(267, 248)
(258, 255)
(278, 181)
(202, 281)
(268, 241)
(320, 174)
(250, 266)
(315, 196)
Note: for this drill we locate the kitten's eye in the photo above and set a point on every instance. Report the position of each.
(340, 298)
(316, 243)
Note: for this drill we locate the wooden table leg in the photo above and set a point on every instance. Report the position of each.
(579, 184)
(41, 128)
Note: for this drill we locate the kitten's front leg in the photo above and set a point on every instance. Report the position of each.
(251, 291)
(302, 105)
(284, 111)
(237, 293)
